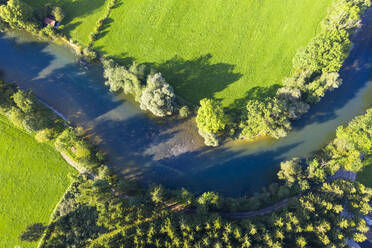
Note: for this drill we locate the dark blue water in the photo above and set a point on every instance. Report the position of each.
(170, 152)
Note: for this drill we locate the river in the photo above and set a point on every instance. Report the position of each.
(170, 151)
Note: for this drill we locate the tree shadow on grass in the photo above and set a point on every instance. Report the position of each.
(197, 78)
(79, 9)
(256, 93)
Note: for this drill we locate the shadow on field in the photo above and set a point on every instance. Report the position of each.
(79, 9)
(256, 93)
(197, 78)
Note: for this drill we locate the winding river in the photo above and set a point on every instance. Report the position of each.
(170, 151)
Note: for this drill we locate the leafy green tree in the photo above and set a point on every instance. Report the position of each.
(211, 117)
(291, 171)
(58, 14)
(158, 96)
(16, 13)
(264, 119)
(25, 100)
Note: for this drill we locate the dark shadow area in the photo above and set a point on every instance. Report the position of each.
(33, 232)
(197, 78)
(104, 29)
(355, 74)
(80, 9)
(256, 93)
(69, 27)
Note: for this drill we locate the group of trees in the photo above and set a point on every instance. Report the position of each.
(108, 211)
(315, 71)
(151, 91)
(24, 110)
(17, 14)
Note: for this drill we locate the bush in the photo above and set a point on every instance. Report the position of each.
(184, 112)
(16, 117)
(158, 96)
(45, 135)
(25, 100)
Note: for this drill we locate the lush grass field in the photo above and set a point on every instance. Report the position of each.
(81, 16)
(365, 176)
(33, 177)
(214, 48)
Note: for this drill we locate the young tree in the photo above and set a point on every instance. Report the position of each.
(58, 14)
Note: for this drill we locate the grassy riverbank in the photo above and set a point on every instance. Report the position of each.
(232, 51)
(33, 177)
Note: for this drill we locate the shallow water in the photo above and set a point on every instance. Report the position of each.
(172, 153)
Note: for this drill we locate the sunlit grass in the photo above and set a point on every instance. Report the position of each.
(33, 177)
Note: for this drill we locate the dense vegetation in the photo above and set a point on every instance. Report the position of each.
(33, 178)
(107, 211)
(315, 71)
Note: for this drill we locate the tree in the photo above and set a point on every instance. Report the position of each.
(211, 117)
(158, 96)
(58, 14)
(291, 171)
(268, 118)
(25, 100)
(16, 13)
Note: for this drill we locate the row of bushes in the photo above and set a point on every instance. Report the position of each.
(24, 110)
(315, 71)
(110, 212)
(99, 24)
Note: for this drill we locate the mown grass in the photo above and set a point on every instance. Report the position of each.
(229, 50)
(33, 177)
(80, 16)
(365, 176)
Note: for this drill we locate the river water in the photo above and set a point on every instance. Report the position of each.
(170, 151)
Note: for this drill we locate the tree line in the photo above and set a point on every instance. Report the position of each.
(315, 71)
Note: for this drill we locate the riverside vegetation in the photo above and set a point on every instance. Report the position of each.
(103, 210)
(315, 69)
(108, 211)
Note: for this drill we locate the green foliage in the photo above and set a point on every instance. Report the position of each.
(17, 14)
(45, 135)
(264, 119)
(184, 112)
(242, 46)
(211, 121)
(58, 14)
(127, 80)
(157, 96)
(211, 117)
(25, 100)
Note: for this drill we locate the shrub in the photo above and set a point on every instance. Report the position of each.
(16, 117)
(58, 14)
(45, 135)
(184, 112)
(158, 96)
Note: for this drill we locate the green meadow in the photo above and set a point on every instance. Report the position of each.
(229, 50)
(33, 178)
(80, 16)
